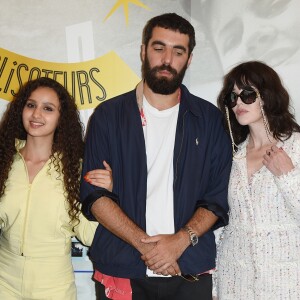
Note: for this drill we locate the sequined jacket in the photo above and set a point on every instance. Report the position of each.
(258, 256)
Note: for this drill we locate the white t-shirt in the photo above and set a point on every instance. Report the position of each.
(159, 134)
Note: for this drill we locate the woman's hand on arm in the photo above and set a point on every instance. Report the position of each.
(100, 177)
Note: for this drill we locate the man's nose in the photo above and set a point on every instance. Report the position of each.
(168, 57)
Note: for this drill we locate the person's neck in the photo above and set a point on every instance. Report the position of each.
(37, 149)
(258, 138)
(160, 101)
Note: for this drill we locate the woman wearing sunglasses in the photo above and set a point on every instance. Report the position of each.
(258, 255)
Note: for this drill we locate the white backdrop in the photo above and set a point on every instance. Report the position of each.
(227, 32)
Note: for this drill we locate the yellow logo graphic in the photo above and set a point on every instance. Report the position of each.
(125, 6)
(90, 82)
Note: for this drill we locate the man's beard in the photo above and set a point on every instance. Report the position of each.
(162, 85)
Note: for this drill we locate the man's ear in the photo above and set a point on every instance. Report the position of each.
(143, 52)
(190, 60)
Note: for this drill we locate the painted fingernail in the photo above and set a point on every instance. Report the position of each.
(87, 179)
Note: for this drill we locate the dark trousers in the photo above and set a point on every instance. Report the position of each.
(170, 288)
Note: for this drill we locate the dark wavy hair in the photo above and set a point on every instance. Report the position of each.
(173, 22)
(276, 100)
(67, 148)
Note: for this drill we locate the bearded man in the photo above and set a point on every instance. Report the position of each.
(170, 159)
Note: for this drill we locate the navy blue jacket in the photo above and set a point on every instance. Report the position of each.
(202, 163)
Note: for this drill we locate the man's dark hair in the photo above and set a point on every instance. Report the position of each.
(173, 22)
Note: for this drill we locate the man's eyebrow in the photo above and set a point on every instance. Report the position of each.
(158, 43)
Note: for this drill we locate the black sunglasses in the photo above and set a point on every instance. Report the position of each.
(248, 96)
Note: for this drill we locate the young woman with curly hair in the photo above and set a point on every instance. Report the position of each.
(41, 148)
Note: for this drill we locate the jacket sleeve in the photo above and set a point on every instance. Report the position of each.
(216, 196)
(85, 230)
(96, 151)
(288, 184)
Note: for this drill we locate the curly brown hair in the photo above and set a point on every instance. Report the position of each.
(67, 147)
(276, 100)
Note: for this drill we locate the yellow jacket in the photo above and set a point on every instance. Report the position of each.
(34, 218)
